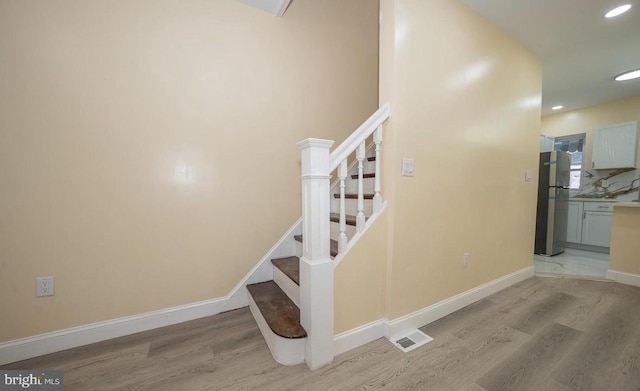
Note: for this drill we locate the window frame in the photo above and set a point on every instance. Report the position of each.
(569, 137)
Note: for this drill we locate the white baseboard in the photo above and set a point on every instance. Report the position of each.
(623, 278)
(25, 348)
(359, 336)
(38, 345)
(443, 308)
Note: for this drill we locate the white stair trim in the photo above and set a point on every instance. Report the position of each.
(290, 288)
(286, 351)
(352, 242)
(263, 270)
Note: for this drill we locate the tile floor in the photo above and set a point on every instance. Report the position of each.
(573, 262)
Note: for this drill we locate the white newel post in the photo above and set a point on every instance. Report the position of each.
(316, 267)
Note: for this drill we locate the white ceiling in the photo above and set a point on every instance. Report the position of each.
(581, 51)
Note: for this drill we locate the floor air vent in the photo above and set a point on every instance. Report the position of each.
(413, 339)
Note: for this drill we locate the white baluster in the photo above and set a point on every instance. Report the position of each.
(360, 219)
(377, 198)
(342, 239)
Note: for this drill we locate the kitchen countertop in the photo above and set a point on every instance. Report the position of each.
(628, 204)
(595, 199)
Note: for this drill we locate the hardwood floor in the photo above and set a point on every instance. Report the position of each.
(541, 334)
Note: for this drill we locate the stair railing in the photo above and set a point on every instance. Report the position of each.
(316, 267)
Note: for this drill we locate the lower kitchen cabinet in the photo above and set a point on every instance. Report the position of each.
(574, 227)
(590, 223)
(596, 228)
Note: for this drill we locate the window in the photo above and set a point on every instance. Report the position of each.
(573, 145)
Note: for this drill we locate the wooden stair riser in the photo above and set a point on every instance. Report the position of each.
(287, 285)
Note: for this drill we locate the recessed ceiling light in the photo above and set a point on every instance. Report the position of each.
(617, 11)
(558, 107)
(628, 75)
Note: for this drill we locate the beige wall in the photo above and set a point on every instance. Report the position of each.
(587, 119)
(465, 102)
(359, 281)
(625, 246)
(103, 105)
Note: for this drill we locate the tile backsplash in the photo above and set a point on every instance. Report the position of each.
(621, 184)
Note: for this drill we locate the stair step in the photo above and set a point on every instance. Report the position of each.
(290, 266)
(350, 220)
(364, 176)
(352, 196)
(371, 159)
(280, 313)
(333, 246)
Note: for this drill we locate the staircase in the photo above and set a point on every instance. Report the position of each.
(294, 311)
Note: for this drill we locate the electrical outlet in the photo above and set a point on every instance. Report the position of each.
(605, 183)
(44, 286)
(465, 260)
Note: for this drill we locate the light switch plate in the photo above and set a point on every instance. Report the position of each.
(407, 167)
(527, 175)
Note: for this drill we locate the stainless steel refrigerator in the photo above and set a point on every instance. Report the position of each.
(553, 203)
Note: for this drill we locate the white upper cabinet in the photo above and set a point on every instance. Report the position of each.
(546, 143)
(615, 146)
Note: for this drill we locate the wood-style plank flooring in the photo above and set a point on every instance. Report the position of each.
(541, 334)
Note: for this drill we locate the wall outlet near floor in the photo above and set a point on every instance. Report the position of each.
(44, 286)
(465, 260)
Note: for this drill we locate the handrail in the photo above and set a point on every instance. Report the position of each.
(316, 166)
(358, 137)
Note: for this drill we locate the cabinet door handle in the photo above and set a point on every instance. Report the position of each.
(593, 164)
(584, 214)
(603, 207)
